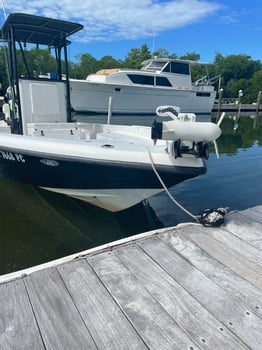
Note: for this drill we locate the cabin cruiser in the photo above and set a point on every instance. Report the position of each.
(111, 166)
(161, 81)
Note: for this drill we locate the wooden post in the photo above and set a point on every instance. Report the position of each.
(220, 92)
(257, 109)
(258, 103)
(240, 94)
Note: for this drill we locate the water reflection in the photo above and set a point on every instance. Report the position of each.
(39, 226)
(246, 135)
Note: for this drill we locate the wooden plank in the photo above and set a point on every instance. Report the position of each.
(244, 228)
(198, 323)
(238, 245)
(104, 319)
(228, 309)
(198, 252)
(254, 214)
(151, 321)
(18, 328)
(227, 256)
(59, 322)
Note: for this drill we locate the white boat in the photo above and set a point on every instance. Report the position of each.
(161, 81)
(111, 166)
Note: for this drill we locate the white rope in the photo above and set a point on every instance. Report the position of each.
(166, 189)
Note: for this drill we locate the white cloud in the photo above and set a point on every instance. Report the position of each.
(118, 19)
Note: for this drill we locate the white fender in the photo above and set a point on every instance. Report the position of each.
(6, 110)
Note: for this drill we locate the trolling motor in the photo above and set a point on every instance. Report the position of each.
(189, 136)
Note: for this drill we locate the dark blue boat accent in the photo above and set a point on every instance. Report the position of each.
(73, 173)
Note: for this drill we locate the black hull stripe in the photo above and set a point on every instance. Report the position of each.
(90, 174)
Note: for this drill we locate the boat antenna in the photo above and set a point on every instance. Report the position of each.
(153, 44)
(3, 8)
(5, 49)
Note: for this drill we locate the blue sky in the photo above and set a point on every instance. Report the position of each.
(113, 27)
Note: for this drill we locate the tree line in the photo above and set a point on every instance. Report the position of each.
(238, 72)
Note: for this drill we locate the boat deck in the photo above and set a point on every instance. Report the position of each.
(187, 287)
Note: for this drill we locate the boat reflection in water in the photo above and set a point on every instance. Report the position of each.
(39, 226)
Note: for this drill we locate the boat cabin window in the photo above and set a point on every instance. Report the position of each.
(162, 81)
(141, 79)
(203, 94)
(178, 68)
(148, 80)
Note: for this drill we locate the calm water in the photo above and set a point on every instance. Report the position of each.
(38, 226)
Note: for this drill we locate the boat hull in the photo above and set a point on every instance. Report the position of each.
(89, 97)
(112, 185)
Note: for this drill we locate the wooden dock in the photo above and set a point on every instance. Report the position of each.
(246, 109)
(187, 287)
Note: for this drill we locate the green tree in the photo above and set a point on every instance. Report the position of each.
(236, 67)
(233, 87)
(4, 79)
(237, 72)
(136, 56)
(40, 61)
(255, 86)
(87, 65)
(160, 53)
(191, 56)
(109, 62)
(173, 55)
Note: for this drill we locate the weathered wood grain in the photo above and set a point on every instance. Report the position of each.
(231, 258)
(245, 228)
(188, 287)
(186, 242)
(59, 322)
(235, 243)
(226, 307)
(151, 321)
(106, 322)
(18, 327)
(254, 214)
(197, 322)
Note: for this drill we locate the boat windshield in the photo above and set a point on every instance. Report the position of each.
(177, 67)
(155, 65)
